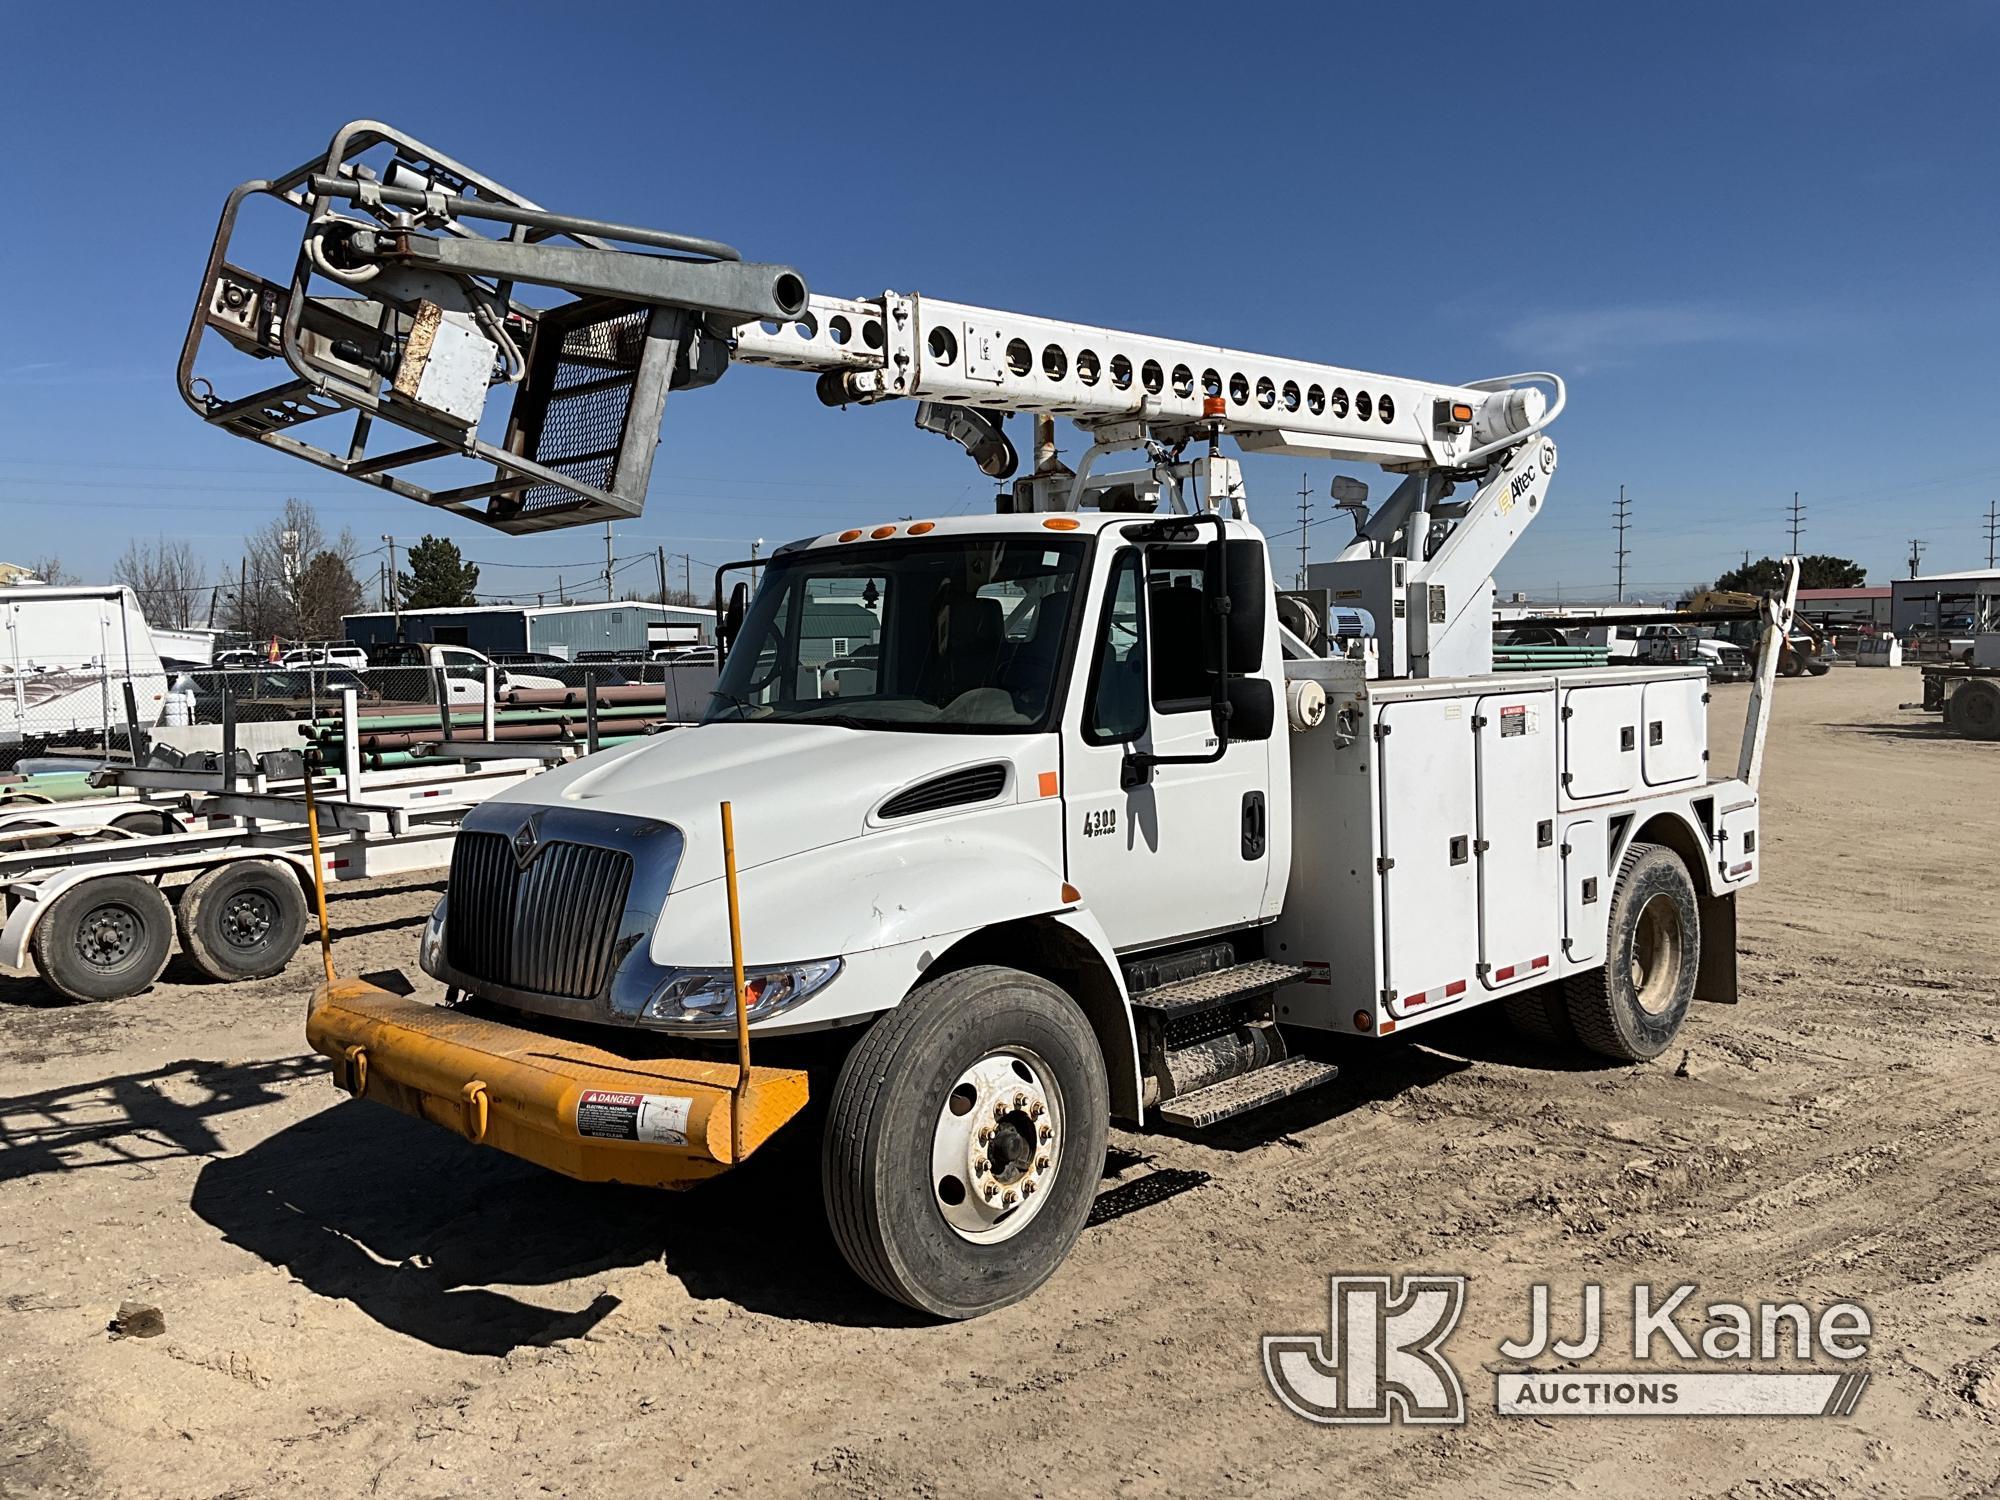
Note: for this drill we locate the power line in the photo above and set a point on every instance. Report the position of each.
(1798, 515)
(1623, 515)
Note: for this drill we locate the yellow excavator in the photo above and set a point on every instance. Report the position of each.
(1804, 649)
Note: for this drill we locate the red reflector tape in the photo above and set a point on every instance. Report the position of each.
(1504, 974)
(1540, 963)
(1456, 987)
(1742, 869)
(336, 864)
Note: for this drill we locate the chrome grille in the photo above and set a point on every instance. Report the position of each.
(550, 928)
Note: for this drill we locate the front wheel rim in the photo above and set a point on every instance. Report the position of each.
(997, 1146)
(108, 936)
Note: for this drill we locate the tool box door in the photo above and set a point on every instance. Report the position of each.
(1601, 740)
(1430, 889)
(1585, 898)
(1518, 860)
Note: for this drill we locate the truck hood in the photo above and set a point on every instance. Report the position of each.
(792, 787)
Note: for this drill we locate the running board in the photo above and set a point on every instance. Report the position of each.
(1219, 987)
(1247, 1091)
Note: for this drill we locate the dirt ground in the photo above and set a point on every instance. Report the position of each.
(359, 1303)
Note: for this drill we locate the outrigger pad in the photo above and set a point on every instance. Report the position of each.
(404, 307)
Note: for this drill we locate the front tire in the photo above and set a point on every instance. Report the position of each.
(964, 1142)
(1975, 710)
(1632, 1008)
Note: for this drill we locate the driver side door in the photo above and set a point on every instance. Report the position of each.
(1186, 851)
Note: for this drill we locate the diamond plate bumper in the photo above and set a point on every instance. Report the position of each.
(581, 1110)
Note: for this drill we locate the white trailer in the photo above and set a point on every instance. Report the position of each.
(67, 653)
(1097, 836)
(93, 893)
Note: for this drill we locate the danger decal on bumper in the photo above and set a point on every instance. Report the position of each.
(655, 1119)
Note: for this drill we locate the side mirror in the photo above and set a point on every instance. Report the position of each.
(1236, 567)
(1253, 711)
(732, 618)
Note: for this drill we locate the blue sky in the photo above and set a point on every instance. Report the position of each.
(1759, 240)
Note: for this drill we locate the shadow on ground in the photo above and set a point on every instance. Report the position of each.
(137, 1118)
(418, 1229)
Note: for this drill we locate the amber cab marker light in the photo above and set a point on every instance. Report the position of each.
(881, 531)
(921, 527)
(1363, 1021)
(1062, 523)
(1071, 895)
(849, 536)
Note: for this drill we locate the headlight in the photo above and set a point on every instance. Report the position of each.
(430, 950)
(708, 996)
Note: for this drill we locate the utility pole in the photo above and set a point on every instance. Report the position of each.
(1916, 552)
(395, 587)
(1798, 515)
(607, 562)
(662, 554)
(1992, 529)
(687, 574)
(1623, 515)
(1305, 524)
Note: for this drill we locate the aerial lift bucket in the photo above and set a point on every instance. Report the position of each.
(419, 290)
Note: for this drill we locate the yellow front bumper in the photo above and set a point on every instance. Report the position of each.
(580, 1110)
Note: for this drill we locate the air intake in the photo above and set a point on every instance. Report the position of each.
(953, 789)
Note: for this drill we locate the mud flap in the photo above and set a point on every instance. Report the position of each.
(1715, 978)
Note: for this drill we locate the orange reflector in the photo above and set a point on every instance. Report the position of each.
(1461, 413)
(921, 527)
(1386, 1028)
(881, 531)
(1363, 1021)
(1050, 786)
(1213, 406)
(1062, 523)
(848, 536)
(1070, 894)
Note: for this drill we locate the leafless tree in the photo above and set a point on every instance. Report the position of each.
(51, 570)
(168, 578)
(295, 581)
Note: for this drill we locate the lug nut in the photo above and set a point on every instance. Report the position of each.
(1048, 1131)
(1008, 1201)
(1000, 1110)
(985, 1134)
(1035, 1110)
(992, 1191)
(1041, 1164)
(1027, 1188)
(1020, 1101)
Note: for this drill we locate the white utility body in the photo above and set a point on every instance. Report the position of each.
(1084, 824)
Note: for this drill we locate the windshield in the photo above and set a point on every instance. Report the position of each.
(956, 634)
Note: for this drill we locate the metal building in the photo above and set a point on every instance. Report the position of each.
(1964, 603)
(625, 626)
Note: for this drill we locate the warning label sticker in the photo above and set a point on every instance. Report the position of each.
(1516, 719)
(656, 1119)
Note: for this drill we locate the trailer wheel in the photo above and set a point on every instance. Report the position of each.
(964, 1142)
(1633, 1007)
(1974, 710)
(1540, 1015)
(243, 920)
(104, 939)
